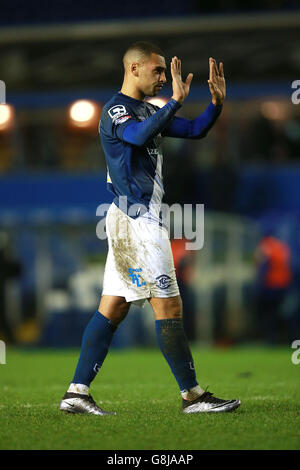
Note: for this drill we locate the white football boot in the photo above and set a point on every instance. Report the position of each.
(81, 403)
(207, 403)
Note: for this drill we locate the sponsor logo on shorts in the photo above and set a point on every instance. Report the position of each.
(136, 277)
(163, 281)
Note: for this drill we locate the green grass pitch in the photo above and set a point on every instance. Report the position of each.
(138, 385)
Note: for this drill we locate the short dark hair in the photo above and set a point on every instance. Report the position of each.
(146, 48)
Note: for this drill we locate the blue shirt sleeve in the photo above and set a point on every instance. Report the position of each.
(196, 128)
(138, 133)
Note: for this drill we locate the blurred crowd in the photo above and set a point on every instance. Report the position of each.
(272, 136)
(277, 300)
(272, 304)
(44, 140)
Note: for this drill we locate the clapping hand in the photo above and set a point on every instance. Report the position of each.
(216, 82)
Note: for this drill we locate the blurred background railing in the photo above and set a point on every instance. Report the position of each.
(243, 286)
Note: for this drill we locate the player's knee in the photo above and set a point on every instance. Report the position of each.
(173, 314)
(114, 308)
(176, 307)
(175, 311)
(170, 308)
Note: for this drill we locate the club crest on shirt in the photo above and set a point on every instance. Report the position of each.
(117, 111)
(163, 281)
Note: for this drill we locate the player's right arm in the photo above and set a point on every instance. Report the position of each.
(126, 128)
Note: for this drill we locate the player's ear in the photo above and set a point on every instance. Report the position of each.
(135, 69)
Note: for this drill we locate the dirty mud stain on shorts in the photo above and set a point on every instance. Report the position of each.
(125, 257)
(127, 247)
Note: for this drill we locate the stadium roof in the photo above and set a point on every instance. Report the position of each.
(253, 47)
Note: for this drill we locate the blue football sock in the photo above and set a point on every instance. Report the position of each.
(174, 346)
(94, 348)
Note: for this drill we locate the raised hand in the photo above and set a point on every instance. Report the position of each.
(180, 89)
(216, 82)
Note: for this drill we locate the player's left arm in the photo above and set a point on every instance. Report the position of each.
(199, 127)
(193, 128)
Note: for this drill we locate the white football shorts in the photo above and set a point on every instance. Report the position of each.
(139, 263)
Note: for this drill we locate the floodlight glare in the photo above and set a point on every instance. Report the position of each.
(157, 101)
(5, 116)
(82, 111)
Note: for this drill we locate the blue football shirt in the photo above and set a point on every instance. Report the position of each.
(130, 132)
